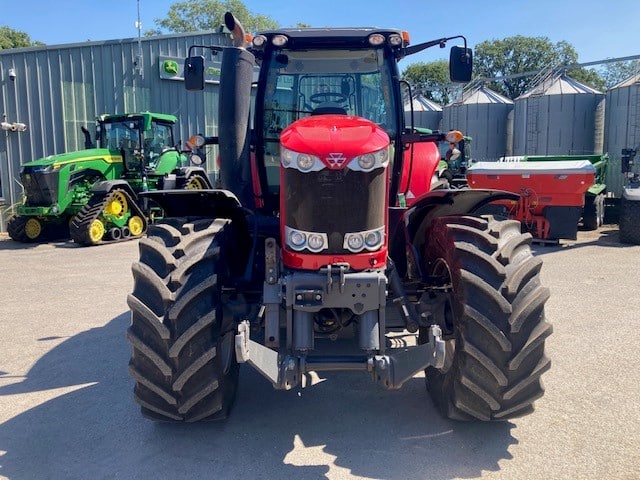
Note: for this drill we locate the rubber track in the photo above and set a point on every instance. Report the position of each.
(630, 221)
(177, 325)
(79, 228)
(500, 323)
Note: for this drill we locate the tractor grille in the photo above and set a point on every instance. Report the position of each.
(40, 186)
(335, 202)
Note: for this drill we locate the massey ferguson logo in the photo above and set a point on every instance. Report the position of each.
(336, 159)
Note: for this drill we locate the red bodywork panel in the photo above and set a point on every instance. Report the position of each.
(326, 135)
(420, 163)
(336, 140)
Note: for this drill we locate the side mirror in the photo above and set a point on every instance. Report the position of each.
(194, 73)
(460, 64)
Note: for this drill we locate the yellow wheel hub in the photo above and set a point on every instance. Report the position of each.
(117, 206)
(33, 228)
(96, 231)
(195, 183)
(136, 226)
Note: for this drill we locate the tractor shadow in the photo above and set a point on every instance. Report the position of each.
(7, 243)
(346, 425)
(607, 236)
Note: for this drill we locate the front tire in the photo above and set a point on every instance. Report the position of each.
(494, 320)
(183, 359)
(593, 212)
(25, 229)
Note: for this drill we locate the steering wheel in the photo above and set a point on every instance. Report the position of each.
(325, 97)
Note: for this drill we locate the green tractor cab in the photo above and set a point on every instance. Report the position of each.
(92, 194)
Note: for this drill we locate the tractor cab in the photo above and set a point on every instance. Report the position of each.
(313, 73)
(141, 139)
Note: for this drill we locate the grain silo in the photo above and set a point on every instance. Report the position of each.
(559, 116)
(484, 115)
(622, 127)
(426, 113)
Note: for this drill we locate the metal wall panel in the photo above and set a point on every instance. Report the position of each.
(59, 88)
(622, 128)
(484, 116)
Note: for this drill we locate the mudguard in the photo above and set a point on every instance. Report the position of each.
(108, 185)
(212, 203)
(407, 226)
(185, 172)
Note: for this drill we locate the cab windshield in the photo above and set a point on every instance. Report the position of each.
(300, 83)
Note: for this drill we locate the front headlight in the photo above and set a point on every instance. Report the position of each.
(300, 161)
(370, 161)
(368, 240)
(299, 240)
(196, 159)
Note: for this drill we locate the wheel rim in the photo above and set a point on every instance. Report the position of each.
(117, 206)
(136, 226)
(33, 228)
(195, 183)
(96, 231)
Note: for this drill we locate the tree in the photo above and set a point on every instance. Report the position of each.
(197, 15)
(614, 73)
(588, 77)
(10, 38)
(431, 80)
(519, 54)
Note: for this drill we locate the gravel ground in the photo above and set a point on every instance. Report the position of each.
(67, 412)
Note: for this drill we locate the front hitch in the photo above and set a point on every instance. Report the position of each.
(391, 370)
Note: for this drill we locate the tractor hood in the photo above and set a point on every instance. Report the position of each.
(73, 157)
(334, 139)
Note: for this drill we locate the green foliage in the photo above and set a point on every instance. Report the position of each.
(614, 73)
(10, 38)
(588, 77)
(519, 54)
(198, 15)
(431, 80)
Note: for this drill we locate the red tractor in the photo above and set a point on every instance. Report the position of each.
(326, 239)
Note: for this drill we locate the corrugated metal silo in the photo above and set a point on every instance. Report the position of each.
(622, 127)
(426, 113)
(485, 116)
(560, 116)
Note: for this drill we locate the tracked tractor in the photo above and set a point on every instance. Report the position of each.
(325, 250)
(92, 194)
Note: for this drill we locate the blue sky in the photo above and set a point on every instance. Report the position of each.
(597, 30)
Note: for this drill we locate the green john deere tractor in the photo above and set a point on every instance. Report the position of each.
(92, 194)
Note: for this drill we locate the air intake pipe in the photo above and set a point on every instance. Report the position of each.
(233, 115)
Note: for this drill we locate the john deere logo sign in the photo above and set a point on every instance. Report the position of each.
(172, 68)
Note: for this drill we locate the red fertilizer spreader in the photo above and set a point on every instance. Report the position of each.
(551, 193)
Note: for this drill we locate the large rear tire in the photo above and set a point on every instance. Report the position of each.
(630, 221)
(183, 358)
(494, 320)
